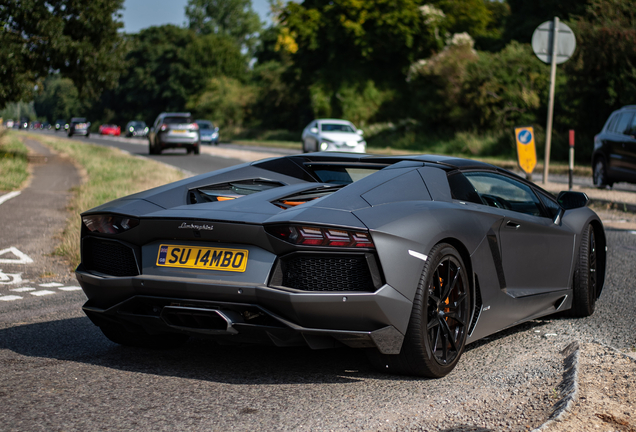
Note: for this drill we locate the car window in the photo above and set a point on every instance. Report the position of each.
(462, 189)
(551, 205)
(335, 127)
(631, 130)
(177, 120)
(624, 123)
(504, 192)
(204, 125)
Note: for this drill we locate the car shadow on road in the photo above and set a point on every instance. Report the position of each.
(78, 340)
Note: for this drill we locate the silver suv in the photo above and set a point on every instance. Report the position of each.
(174, 130)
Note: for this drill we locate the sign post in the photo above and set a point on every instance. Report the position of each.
(526, 150)
(553, 42)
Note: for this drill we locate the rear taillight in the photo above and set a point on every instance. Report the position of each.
(164, 127)
(194, 126)
(319, 236)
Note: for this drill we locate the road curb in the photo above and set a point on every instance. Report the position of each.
(614, 205)
(568, 387)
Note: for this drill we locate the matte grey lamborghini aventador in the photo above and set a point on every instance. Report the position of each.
(409, 257)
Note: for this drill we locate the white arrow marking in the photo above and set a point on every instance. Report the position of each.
(22, 257)
(10, 278)
(51, 285)
(42, 293)
(8, 196)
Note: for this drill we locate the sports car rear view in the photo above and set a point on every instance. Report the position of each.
(408, 257)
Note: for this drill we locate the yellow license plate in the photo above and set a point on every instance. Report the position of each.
(204, 258)
(179, 131)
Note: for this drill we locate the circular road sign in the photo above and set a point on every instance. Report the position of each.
(542, 42)
(524, 136)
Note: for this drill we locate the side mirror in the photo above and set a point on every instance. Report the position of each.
(360, 132)
(313, 130)
(572, 200)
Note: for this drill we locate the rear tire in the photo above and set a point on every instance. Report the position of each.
(600, 175)
(585, 283)
(438, 327)
(120, 335)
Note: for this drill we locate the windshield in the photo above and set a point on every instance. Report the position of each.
(335, 127)
(138, 124)
(177, 120)
(342, 175)
(204, 125)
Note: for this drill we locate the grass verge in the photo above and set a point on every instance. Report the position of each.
(14, 163)
(109, 174)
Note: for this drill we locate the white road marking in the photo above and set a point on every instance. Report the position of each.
(70, 288)
(418, 255)
(42, 293)
(10, 278)
(22, 257)
(8, 196)
(23, 289)
(51, 285)
(10, 298)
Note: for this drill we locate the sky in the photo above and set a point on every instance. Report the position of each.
(139, 14)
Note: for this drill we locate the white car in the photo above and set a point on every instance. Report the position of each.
(333, 135)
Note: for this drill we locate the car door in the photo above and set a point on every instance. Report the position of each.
(615, 140)
(628, 150)
(536, 253)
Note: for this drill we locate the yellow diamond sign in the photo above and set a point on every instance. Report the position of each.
(526, 151)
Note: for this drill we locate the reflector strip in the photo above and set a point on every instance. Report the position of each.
(418, 255)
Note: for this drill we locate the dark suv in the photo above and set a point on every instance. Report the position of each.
(614, 157)
(171, 130)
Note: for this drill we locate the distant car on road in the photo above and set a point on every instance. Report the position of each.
(333, 135)
(109, 129)
(209, 133)
(79, 126)
(174, 130)
(60, 124)
(614, 156)
(136, 128)
(9, 124)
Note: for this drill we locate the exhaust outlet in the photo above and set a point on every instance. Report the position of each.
(199, 320)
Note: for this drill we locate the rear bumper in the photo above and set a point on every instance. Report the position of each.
(184, 139)
(250, 313)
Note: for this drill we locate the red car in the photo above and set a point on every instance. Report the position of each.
(109, 130)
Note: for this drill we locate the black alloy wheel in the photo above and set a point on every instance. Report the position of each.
(585, 278)
(439, 322)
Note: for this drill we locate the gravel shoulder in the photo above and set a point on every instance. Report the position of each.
(606, 393)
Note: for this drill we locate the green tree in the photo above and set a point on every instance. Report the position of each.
(167, 66)
(233, 18)
(505, 89)
(226, 101)
(343, 47)
(58, 100)
(526, 15)
(79, 39)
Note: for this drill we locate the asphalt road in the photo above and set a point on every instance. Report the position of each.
(195, 164)
(59, 373)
